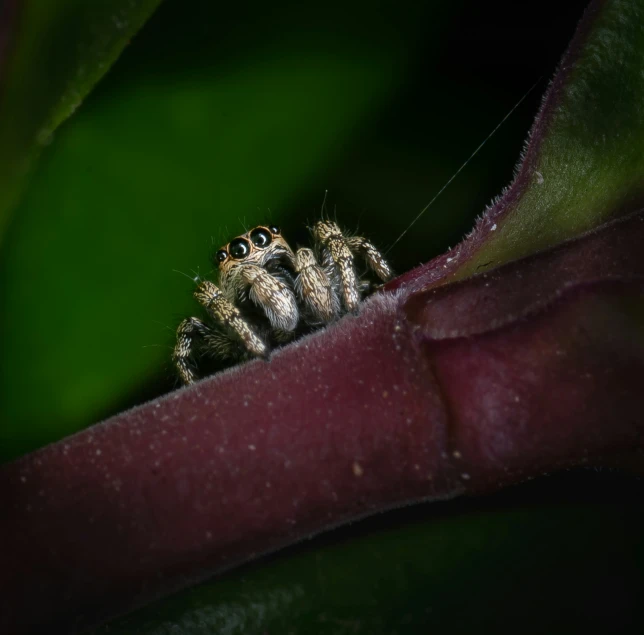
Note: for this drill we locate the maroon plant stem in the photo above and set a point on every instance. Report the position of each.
(241, 464)
(383, 409)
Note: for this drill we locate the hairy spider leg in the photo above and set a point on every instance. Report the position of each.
(225, 313)
(313, 286)
(336, 252)
(193, 335)
(374, 259)
(269, 293)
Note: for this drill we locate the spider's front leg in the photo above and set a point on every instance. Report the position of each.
(192, 336)
(314, 287)
(229, 316)
(374, 259)
(189, 332)
(337, 255)
(269, 293)
(192, 331)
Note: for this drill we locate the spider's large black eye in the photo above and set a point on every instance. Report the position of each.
(274, 229)
(239, 248)
(260, 237)
(221, 255)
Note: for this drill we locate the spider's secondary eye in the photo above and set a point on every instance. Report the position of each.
(260, 237)
(221, 255)
(274, 229)
(239, 248)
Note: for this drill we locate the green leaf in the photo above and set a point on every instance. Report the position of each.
(58, 51)
(545, 569)
(584, 163)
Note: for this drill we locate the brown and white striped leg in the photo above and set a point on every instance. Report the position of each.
(226, 314)
(313, 286)
(189, 333)
(328, 234)
(374, 259)
(274, 297)
(193, 336)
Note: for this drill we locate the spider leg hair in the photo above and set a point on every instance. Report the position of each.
(189, 333)
(228, 315)
(313, 286)
(374, 259)
(335, 249)
(272, 295)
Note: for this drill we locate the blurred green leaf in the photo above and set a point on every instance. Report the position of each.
(540, 570)
(589, 163)
(58, 50)
(132, 189)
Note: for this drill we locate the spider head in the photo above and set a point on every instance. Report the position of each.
(257, 247)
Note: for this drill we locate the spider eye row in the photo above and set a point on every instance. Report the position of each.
(239, 248)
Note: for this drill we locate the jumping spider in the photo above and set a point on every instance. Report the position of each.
(268, 294)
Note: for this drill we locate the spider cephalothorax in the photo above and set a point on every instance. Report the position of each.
(268, 294)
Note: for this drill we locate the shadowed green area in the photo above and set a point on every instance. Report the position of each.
(59, 49)
(544, 570)
(590, 165)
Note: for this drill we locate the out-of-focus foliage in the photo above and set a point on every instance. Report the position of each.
(561, 566)
(590, 165)
(57, 51)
